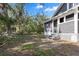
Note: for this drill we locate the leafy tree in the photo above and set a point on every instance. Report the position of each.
(26, 23)
(20, 16)
(40, 20)
(6, 19)
(30, 24)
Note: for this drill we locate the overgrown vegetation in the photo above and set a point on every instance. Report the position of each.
(18, 18)
(16, 24)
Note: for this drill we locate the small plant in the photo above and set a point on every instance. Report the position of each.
(39, 52)
(29, 47)
(42, 52)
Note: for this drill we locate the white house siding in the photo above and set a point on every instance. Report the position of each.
(78, 26)
(69, 36)
(68, 30)
(65, 36)
(48, 28)
(78, 30)
(66, 27)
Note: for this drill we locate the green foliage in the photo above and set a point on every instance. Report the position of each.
(12, 39)
(42, 52)
(25, 22)
(3, 39)
(35, 24)
(39, 52)
(31, 25)
(40, 21)
(33, 47)
(29, 46)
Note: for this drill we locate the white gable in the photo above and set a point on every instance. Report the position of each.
(65, 6)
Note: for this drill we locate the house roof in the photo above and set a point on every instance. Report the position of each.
(55, 13)
(58, 9)
(48, 20)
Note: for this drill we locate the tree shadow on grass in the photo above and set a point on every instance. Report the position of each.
(15, 41)
(53, 48)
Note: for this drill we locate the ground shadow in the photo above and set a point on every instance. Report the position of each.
(59, 47)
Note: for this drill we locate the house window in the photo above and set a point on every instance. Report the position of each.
(1, 10)
(78, 8)
(70, 17)
(61, 19)
(78, 15)
(55, 23)
(70, 5)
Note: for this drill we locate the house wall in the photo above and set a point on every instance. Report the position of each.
(78, 30)
(66, 27)
(69, 37)
(2, 8)
(78, 26)
(48, 28)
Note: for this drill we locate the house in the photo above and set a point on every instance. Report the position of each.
(64, 23)
(2, 8)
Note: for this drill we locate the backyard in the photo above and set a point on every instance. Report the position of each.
(22, 34)
(37, 45)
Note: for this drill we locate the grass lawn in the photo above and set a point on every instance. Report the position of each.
(30, 45)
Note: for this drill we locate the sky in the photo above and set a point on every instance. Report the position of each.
(48, 8)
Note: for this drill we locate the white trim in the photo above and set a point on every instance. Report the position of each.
(61, 6)
(66, 33)
(76, 22)
(73, 8)
(67, 6)
(58, 25)
(65, 12)
(58, 8)
(52, 27)
(73, 5)
(66, 21)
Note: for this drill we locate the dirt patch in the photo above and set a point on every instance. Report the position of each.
(40, 47)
